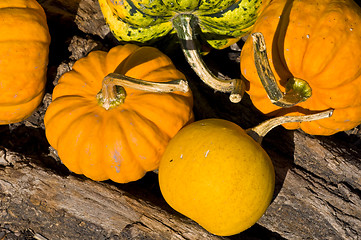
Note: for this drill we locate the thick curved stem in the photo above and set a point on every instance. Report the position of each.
(185, 25)
(113, 93)
(297, 90)
(258, 132)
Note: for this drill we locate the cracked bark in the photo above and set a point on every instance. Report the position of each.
(318, 181)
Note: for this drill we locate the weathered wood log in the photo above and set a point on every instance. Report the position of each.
(68, 207)
(320, 194)
(318, 185)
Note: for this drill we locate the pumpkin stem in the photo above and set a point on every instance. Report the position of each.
(185, 25)
(258, 132)
(113, 93)
(297, 90)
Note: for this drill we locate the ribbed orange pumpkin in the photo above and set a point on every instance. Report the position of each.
(126, 141)
(24, 50)
(319, 42)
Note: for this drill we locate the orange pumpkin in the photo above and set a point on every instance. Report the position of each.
(319, 42)
(24, 50)
(127, 140)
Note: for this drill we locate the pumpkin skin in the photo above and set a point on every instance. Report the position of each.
(319, 42)
(124, 142)
(24, 50)
(217, 175)
(222, 22)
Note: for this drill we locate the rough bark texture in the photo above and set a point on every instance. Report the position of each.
(318, 185)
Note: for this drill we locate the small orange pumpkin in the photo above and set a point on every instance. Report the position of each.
(127, 140)
(24, 50)
(319, 42)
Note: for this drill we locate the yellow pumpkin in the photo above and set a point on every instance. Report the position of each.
(24, 50)
(217, 174)
(320, 43)
(124, 141)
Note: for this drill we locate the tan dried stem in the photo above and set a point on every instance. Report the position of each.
(113, 92)
(258, 132)
(185, 25)
(297, 90)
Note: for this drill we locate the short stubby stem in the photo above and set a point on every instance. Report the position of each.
(297, 90)
(258, 132)
(113, 93)
(185, 25)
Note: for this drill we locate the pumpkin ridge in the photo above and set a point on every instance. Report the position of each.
(69, 83)
(18, 61)
(317, 26)
(16, 113)
(326, 61)
(54, 113)
(19, 98)
(41, 39)
(19, 4)
(154, 131)
(71, 90)
(278, 40)
(79, 150)
(128, 156)
(93, 170)
(153, 114)
(121, 57)
(149, 57)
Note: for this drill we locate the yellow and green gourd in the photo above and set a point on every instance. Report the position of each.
(144, 20)
(220, 23)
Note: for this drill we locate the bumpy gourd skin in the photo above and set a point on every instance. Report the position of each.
(217, 175)
(222, 22)
(125, 142)
(317, 41)
(24, 50)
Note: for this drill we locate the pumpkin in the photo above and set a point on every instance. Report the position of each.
(24, 49)
(219, 23)
(217, 174)
(123, 138)
(317, 42)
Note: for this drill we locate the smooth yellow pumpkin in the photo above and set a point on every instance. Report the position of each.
(217, 175)
(319, 42)
(24, 50)
(127, 140)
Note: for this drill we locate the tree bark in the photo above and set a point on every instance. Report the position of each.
(69, 207)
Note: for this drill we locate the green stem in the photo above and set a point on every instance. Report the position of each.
(113, 92)
(185, 25)
(258, 132)
(297, 90)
